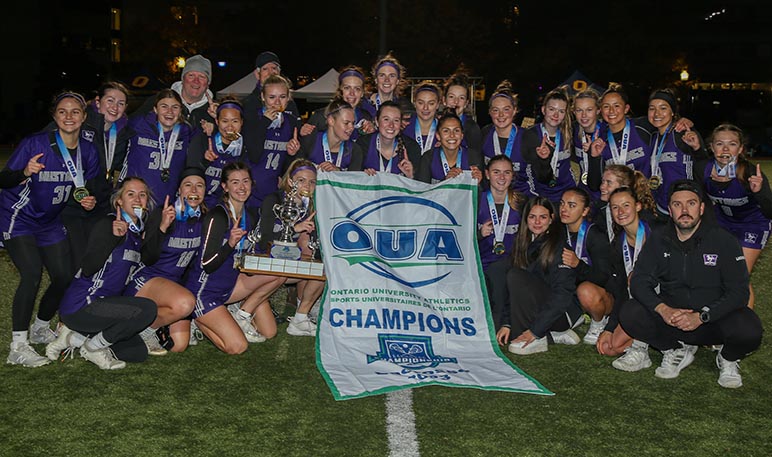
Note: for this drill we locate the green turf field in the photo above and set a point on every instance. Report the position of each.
(272, 401)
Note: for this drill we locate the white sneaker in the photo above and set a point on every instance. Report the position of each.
(304, 328)
(153, 346)
(245, 322)
(568, 337)
(537, 345)
(23, 354)
(596, 328)
(103, 358)
(41, 335)
(194, 334)
(675, 360)
(729, 373)
(635, 358)
(54, 348)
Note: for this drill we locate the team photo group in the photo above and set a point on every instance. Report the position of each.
(633, 235)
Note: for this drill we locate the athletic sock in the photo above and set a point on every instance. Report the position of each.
(299, 317)
(97, 342)
(40, 323)
(77, 339)
(147, 333)
(640, 344)
(20, 337)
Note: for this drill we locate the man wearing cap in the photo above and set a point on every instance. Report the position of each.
(266, 64)
(193, 89)
(703, 291)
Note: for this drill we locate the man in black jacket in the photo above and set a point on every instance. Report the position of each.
(703, 292)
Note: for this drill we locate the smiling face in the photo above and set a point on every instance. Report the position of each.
(586, 112)
(685, 209)
(500, 175)
(389, 122)
(554, 112)
(352, 88)
(726, 146)
(69, 115)
(112, 105)
(386, 80)
(168, 111)
(192, 190)
(450, 134)
(194, 86)
(134, 194)
(238, 185)
(624, 209)
(608, 184)
(660, 114)
(275, 97)
(613, 108)
(572, 208)
(539, 220)
(342, 123)
(457, 97)
(229, 122)
(426, 104)
(502, 112)
(306, 181)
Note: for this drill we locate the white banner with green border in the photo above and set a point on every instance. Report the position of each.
(405, 304)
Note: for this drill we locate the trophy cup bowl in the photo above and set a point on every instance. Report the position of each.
(290, 212)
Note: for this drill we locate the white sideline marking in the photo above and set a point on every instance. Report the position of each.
(400, 424)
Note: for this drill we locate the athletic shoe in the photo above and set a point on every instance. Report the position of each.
(537, 345)
(103, 358)
(165, 337)
(54, 348)
(596, 328)
(675, 360)
(635, 358)
(41, 335)
(245, 322)
(304, 328)
(568, 337)
(729, 373)
(23, 354)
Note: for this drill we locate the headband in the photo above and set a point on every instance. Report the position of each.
(429, 88)
(230, 105)
(391, 64)
(348, 73)
(74, 95)
(340, 108)
(503, 94)
(302, 167)
(662, 95)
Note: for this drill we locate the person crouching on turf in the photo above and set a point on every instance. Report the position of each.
(97, 319)
(703, 293)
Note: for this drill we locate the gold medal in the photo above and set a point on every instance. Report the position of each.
(498, 248)
(584, 178)
(80, 193)
(654, 182)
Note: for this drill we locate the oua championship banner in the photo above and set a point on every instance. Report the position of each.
(405, 304)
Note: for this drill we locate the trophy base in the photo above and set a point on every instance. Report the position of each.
(286, 251)
(264, 265)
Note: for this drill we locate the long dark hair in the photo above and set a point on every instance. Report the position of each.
(553, 237)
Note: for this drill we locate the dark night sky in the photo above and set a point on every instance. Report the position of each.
(636, 42)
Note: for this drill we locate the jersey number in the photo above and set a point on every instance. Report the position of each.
(272, 161)
(62, 194)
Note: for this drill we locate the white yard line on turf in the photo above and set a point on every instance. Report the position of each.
(400, 424)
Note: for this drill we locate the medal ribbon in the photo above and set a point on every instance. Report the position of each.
(728, 170)
(499, 225)
(167, 151)
(233, 149)
(660, 145)
(445, 165)
(328, 154)
(510, 142)
(619, 157)
(110, 141)
(135, 227)
(556, 152)
(387, 167)
(429, 137)
(276, 123)
(184, 211)
(75, 170)
(609, 224)
(630, 260)
(242, 222)
(580, 241)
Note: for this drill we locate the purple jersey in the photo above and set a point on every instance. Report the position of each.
(734, 205)
(487, 256)
(268, 170)
(425, 142)
(438, 168)
(109, 281)
(37, 201)
(178, 249)
(213, 175)
(144, 157)
(523, 180)
(317, 155)
(563, 180)
(638, 151)
(374, 160)
(674, 164)
(213, 289)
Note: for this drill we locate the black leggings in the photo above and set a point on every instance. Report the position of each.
(78, 228)
(29, 259)
(496, 282)
(120, 319)
(528, 295)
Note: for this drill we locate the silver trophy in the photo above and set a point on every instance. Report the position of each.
(289, 213)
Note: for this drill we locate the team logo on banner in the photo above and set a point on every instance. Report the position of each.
(408, 351)
(408, 255)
